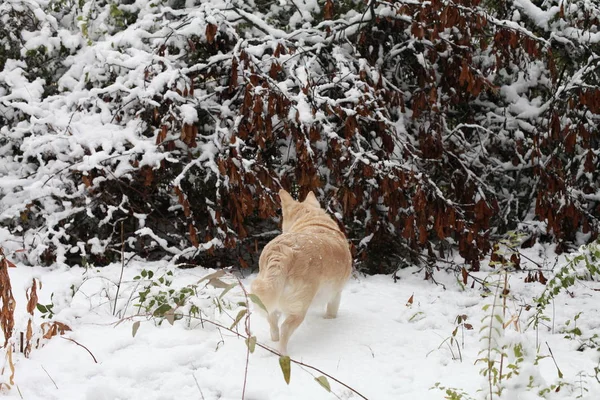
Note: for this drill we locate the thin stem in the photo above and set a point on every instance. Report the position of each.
(198, 386)
(122, 268)
(55, 385)
(504, 295)
(248, 334)
(79, 344)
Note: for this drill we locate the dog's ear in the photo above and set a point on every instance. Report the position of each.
(286, 199)
(311, 199)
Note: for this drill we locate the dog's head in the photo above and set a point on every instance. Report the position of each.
(292, 210)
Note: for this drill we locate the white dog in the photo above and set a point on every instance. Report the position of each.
(311, 256)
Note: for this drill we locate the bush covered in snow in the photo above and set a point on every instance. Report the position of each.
(421, 126)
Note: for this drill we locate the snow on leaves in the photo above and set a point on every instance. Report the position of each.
(417, 124)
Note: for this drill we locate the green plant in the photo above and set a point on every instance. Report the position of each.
(158, 299)
(575, 333)
(46, 310)
(584, 265)
(452, 341)
(496, 354)
(453, 393)
(503, 359)
(493, 352)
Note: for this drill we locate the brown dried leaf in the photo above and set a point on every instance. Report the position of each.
(465, 275)
(54, 328)
(211, 31)
(193, 235)
(32, 297)
(7, 312)
(28, 337)
(87, 181)
(541, 278)
(328, 10)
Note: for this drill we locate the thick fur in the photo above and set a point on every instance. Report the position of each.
(310, 257)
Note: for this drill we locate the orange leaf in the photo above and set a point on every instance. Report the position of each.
(328, 10)
(211, 31)
(193, 235)
(465, 275)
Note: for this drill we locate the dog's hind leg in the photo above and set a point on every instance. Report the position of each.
(295, 300)
(274, 324)
(288, 327)
(333, 306)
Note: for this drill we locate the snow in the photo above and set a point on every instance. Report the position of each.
(539, 16)
(391, 340)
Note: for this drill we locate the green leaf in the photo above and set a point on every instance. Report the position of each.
(251, 343)
(323, 382)
(518, 349)
(41, 308)
(161, 310)
(284, 363)
(135, 327)
(256, 300)
(239, 317)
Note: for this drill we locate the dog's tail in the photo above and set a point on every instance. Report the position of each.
(269, 284)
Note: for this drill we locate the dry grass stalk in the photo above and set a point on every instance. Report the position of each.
(11, 366)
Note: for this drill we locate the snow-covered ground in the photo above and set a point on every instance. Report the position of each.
(381, 344)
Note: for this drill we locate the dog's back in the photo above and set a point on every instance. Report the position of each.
(311, 256)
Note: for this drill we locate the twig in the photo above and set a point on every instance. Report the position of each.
(316, 369)
(504, 291)
(560, 375)
(248, 334)
(19, 390)
(79, 344)
(122, 268)
(311, 374)
(55, 385)
(198, 386)
(369, 347)
(540, 266)
(272, 351)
